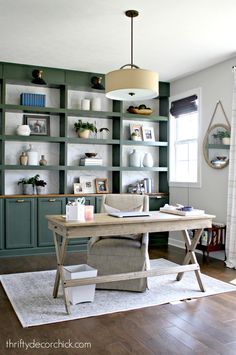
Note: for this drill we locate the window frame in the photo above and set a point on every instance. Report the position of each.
(183, 95)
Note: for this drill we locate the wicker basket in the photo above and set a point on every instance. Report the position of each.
(144, 111)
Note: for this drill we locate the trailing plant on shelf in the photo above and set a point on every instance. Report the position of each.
(84, 128)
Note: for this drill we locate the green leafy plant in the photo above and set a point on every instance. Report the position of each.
(134, 134)
(32, 180)
(222, 134)
(40, 183)
(82, 126)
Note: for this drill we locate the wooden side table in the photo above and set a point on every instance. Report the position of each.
(212, 239)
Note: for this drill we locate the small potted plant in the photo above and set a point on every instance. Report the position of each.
(135, 136)
(40, 186)
(224, 136)
(84, 128)
(28, 184)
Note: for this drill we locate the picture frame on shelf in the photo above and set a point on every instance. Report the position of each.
(39, 125)
(148, 134)
(88, 184)
(137, 129)
(101, 186)
(78, 188)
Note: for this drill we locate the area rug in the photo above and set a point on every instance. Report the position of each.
(31, 295)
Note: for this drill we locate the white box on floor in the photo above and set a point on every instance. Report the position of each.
(79, 294)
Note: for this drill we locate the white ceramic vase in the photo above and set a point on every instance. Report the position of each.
(135, 159)
(23, 130)
(148, 160)
(96, 104)
(33, 157)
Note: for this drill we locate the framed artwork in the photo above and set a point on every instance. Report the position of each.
(39, 125)
(148, 134)
(101, 186)
(137, 129)
(88, 184)
(78, 188)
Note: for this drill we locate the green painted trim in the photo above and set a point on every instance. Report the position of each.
(96, 114)
(93, 167)
(128, 168)
(34, 167)
(218, 146)
(78, 140)
(151, 118)
(33, 138)
(33, 109)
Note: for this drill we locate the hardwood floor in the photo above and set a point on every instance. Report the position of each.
(205, 326)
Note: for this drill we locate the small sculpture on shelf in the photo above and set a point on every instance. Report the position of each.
(23, 158)
(96, 82)
(37, 77)
(43, 161)
(104, 132)
(84, 128)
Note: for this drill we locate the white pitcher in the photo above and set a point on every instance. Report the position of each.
(135, 159)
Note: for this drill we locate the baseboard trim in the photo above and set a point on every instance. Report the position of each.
(176, 243)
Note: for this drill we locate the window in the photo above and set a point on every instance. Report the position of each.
(184, 139)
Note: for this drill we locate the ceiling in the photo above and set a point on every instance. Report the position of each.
(172, 37)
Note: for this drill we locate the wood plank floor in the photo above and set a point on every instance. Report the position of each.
(206, 326)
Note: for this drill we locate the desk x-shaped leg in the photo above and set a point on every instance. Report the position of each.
(60, 253)
(190, 255)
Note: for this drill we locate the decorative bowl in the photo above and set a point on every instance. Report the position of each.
(91, 155)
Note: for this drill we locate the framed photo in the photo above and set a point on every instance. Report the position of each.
(78, 188)
(88, 184)
(102, 186)
(137, 129)
(148, 134)
(39, 125)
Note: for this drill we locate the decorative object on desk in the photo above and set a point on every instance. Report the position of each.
(75, 210)
(78, 188)
(141, 110)
(85, 104)
(137, 129)
(39, 125)
(89, 213)
(135, 159)
(23, 130)
(88, 184)
(40, 186)
(27, 99)
(96, 104)
(96, 82)
(148, 134)
(84, 128)
(32, 156)
(37, 77)
(130, 82)
(23, 158)
(28, 184)
(104, 132)
(101, 186)
(217, 137)
(43, 161)
(148, 160)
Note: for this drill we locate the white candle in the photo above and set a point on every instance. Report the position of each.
(85, 104)
(96, 104)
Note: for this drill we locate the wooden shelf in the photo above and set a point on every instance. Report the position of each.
(144, 143)
(34, 167)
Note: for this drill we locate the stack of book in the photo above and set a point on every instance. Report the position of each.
(27, 99)
(90, 161)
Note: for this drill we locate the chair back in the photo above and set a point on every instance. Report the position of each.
(125, 202)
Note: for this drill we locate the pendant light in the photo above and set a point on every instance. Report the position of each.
(133, 83)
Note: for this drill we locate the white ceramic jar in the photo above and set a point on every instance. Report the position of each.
(23, 130)
(85, 104)
(148, 160)
(135, 159)
(33, 157)
(96, 104)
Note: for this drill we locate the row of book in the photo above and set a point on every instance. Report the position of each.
(32, 99)
(90, 161)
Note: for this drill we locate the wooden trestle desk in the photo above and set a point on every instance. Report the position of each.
(104, 225)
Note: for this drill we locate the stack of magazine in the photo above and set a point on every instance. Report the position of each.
(90, 161)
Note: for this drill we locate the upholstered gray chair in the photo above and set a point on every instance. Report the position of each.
(125, 253)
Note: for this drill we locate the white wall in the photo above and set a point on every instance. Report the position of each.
(216, 83)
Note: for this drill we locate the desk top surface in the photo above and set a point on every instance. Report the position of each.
(105, 219)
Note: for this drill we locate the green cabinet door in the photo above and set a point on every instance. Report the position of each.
(82, 242)
(1, 224)
(158, 239)
(20, 223)
(47, 206)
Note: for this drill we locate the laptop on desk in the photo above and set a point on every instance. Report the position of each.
(129, 214)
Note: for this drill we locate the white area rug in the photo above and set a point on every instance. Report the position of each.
(31, 295)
